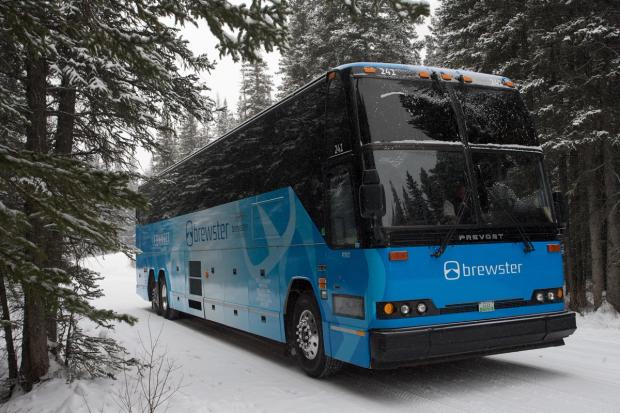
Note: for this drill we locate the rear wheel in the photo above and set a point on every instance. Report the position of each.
(155, 302)
(164, 303)
(308, 339)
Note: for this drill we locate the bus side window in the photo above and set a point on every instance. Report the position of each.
(337, 126)
(342, 228)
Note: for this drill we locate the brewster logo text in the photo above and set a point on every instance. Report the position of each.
(452, 270)
(204, 233)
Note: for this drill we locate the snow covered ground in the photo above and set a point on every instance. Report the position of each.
(223, 371)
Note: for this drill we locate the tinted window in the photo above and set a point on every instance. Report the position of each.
(342, 229)
(280, 149)
(402, 110)
(337, 126)
(297, 150)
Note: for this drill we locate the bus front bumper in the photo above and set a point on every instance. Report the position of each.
(420, 345)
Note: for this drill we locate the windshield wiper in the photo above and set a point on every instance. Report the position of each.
(459, 216)
(528, 246)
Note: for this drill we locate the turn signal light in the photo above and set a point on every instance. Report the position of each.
(388, 308)
(554, 248)
(466, 79)
(446, 76)
(508, 83)
(424, 75)
(559, 293)
(322, 283)
(369, 69)
(399, 255)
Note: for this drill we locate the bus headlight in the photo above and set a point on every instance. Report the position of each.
(540, 297)
(550, 295)
(404, 309)
(421, 308)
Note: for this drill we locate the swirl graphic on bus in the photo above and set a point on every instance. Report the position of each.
(189, 233)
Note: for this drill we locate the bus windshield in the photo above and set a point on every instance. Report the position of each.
(416, 110)
(429, 188)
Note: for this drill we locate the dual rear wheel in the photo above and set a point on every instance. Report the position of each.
(160, 302)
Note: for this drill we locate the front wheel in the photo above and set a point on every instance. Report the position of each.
(308, 339)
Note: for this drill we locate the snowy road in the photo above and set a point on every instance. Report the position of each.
(223, 371)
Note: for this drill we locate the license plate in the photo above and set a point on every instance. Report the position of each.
(486, 306)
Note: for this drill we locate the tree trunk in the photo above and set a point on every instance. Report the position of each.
(576, 275)
(63, 145)
(8, 334)
(35, 360)
(66, 118)
(595, 223)
(612, 191)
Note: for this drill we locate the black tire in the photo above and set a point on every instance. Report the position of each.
(164, 300)
(155, 298)
(310, 354)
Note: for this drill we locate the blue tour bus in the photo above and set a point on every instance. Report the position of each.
(382, 215)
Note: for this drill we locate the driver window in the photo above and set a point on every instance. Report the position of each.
(343, 231)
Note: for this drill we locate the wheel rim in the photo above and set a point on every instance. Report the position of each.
(164, 297)
(308, 335)
(155, 297)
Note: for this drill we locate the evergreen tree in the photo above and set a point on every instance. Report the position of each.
(255, 90)
(398, 213)
(190, 139)
(564, 55)
(224, 120)
(82, 91)
(166, 153)
(322, 37)
(86, 81)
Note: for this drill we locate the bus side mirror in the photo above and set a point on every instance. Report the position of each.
(372, 195)
(560, 207)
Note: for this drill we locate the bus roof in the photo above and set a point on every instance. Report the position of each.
(476, 77)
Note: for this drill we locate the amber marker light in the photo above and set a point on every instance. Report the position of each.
(369, 69)
(554, 248)
(388, 308)
(322, 283)
(466, 79)
(399, 255)
(508, 83)
(424, 75)
(559, 293)
(446, 76)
